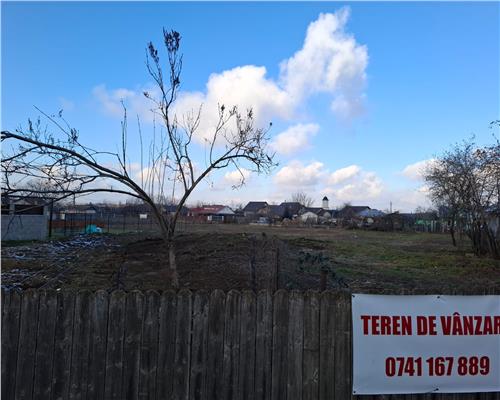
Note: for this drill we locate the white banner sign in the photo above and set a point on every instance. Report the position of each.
(425, 344)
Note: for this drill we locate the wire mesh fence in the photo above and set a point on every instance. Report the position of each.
(73, 224)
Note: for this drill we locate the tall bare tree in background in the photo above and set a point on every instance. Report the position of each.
(466, 180)
(58, 157)
(302, 198)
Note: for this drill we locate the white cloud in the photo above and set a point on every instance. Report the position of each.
(134, 100)
(343, 174)
(67, 105)
(330, 61)
(360, 186)
(299, 175)
(237, 177)
(246, 87)
(346, 108)
(416, 170)
(294, 139)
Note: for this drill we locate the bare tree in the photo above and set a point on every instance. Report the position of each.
(74, 169)
(466, 179)
(302, 198)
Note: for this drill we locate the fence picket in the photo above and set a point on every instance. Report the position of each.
(280, 346)
(132, 344)
(114, 351)
(149, 346)
(98, 345)
(327, 364)
(11, 302)
(295, 345)
(27, 345)
(62, 345)
(166, 345)
(80, 347)
(45, 347)
(342, 350)
(215, 358)
(311, 346)
(182, 345)
(199, 346)
(231, 346)
(247, 346)
(263, 345)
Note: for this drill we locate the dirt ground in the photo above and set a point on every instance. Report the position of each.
(228, 256)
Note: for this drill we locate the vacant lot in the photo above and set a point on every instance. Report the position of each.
(224, 256)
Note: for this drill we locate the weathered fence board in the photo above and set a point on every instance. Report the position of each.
(247, 346)
(63, 339)
(182, 345)
(263, 345)
(98, 343)
(279, 373)
(149, 347)
(199, 346)
(215, 355)
(342, 346)
(114, 352)
(45, 347)
(311, 346)
(328, 373)
(132, 344)
(166, 346)
(295, 345)
(182, 356)
(80, 347)
(27, 346)
(231, 346)
(10, 338)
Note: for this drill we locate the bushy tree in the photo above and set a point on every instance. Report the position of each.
(466, 181)
(58, 155)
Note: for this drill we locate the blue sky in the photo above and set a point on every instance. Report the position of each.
(360, 94)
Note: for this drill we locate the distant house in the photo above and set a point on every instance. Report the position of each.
(396, 221)
(316, 214)
(77, 210)
(171, 209)
(309, 215)
(254, 208)
(349, 212)
(292, 209)
(212, 213)
(273, 213)
(366, 218)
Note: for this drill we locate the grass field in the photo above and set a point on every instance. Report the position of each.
(220, 256)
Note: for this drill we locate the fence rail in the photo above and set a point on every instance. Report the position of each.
(180, 345)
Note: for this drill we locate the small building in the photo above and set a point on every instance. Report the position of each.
(368, 217)
(212, 213)
(172, 208)
(292, 209)
(349, 212)
(273, 213)
(309, 216)
(25, 218)
(78, 211)
(254, 208)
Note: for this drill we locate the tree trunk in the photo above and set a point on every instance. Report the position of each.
(172, 263)
(452, 233)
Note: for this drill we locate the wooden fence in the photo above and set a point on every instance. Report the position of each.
(184, 345)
